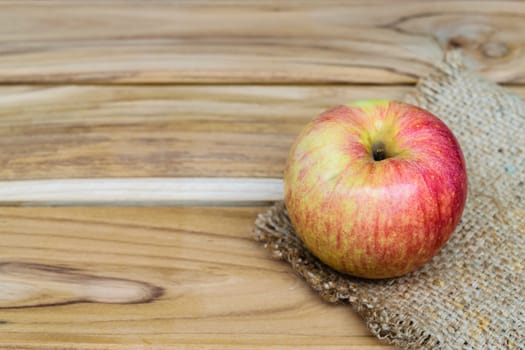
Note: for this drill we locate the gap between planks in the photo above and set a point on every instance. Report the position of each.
(141, 192)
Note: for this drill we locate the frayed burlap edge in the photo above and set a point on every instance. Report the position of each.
(274, 230)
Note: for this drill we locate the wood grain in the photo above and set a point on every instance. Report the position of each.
(141, 192)
(226, 41)
(136, 278)
(99, 105)
(50, 132)
(60, 132)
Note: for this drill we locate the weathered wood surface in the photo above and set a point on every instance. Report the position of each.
(141, 278)
(153, 278)
(49, 132)
(119, 41)
(142, 192)
(58, 132)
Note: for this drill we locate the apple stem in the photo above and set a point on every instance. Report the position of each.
(378, 151)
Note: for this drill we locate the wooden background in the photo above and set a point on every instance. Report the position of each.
(174, 98)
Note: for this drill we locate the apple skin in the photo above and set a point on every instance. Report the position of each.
(375, 218)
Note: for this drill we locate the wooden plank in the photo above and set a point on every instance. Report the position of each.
(134, 278)
(103, 132)
(142, 191)
(57, 132)
(63, 132)
(119, 41)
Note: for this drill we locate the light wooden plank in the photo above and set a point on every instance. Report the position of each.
(134, 278)
(71, 132)
(102, 132)
(119, 41)
(57, 132)
(142, 191)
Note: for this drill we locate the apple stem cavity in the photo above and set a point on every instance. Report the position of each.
(378, 151)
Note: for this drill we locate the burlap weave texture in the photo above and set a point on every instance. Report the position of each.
(472, 294)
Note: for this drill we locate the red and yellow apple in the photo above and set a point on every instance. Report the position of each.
(375, 188)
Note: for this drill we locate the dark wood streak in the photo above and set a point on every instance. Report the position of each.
(72, 286)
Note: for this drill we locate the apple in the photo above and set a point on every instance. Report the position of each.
(375, 188)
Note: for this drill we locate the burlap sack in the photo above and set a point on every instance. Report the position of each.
(472, 294)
